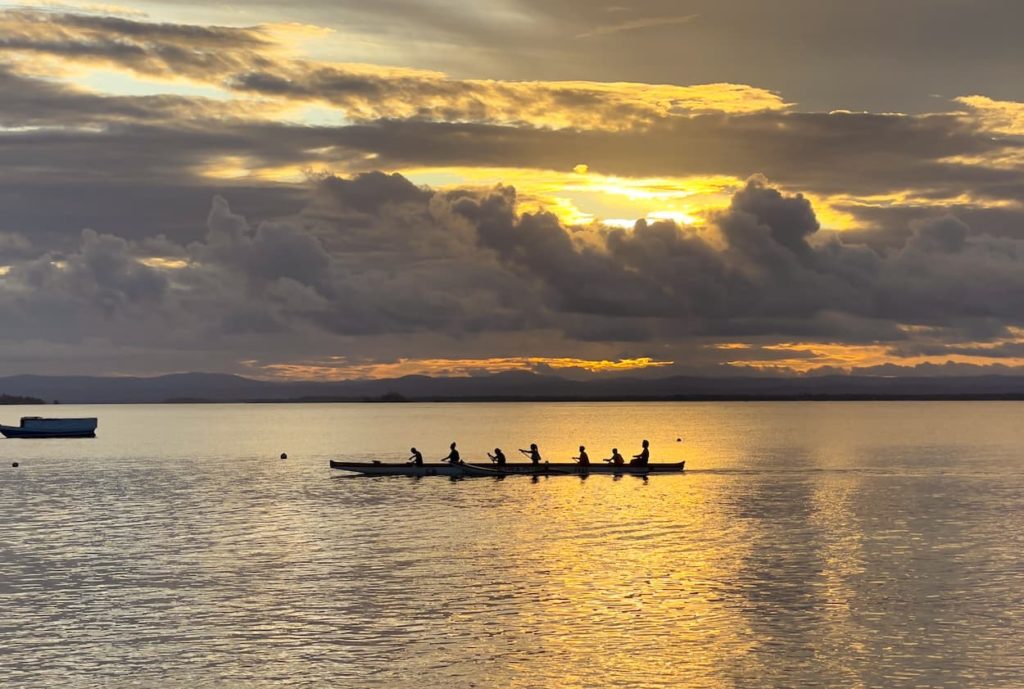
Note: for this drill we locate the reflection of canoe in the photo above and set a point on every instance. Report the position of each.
(519, 468)
(581, 469)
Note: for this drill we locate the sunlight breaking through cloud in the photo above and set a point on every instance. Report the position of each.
(340, 368)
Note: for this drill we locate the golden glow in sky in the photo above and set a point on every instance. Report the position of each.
(240, 176)
(340, 369)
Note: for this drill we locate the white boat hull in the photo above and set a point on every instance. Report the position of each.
(38, 427)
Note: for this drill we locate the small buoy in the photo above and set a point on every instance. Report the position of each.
(679, 440)
(284, 455)
(14, 464)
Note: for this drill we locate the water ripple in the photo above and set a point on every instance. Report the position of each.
(207, 568)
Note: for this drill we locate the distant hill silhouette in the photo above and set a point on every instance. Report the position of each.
(215, 387)
(18, 399)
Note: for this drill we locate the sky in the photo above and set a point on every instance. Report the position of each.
(341, 189)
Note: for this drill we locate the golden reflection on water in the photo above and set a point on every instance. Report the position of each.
(841, 558)
(632, 572)
(809, 545)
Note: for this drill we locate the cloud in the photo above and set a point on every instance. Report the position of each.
(338, 368)
(872, 227)
(868, 163)
(637, 24)
(147, 47)
(998, 116)
(251, 61)
(376, 259)
(947, 234)
(818, 54)
(30, 102)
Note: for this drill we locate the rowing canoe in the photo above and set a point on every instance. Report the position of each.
(519, 468)
(379, 469)
(581, 469)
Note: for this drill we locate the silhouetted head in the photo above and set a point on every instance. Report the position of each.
(452, 446)
(582, 449)
(646, 443)
(412, 449)
(497, 450)
(615, 450)
(533, 446)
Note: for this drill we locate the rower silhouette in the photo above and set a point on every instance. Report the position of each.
(453, 456)
(417, 457)
(644, 457)
(584, 458)
(498, 457)
(616, 458)
(533, 453)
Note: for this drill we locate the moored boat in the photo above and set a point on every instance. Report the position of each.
(518, 468)
(39, 427)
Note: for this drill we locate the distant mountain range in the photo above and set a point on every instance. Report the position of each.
(214, 387)
(14, 399)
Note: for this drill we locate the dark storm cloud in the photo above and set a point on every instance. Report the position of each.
(624, 132)
(13, 246)
(136, 173)
(283, 271)
(257, 60)
(29, 102)
(874, 54)
(826, 153)
(375, 254)
(890, 225)
(851, 163)
(150, 47)
(947, 235)
(53, 214)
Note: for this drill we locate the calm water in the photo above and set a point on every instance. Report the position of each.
(817, 544)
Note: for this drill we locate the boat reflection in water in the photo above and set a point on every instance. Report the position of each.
(38, 427)
(467, 470)
(806, 545)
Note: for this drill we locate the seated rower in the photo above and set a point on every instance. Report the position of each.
(453, 456)
(498, 457)
(533, 453)
(417, 457)
(644, 456)
(616, 458)
(584, 458)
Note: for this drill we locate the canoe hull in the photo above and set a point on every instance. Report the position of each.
(517, 469)
(372, 469)
(581, 469)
